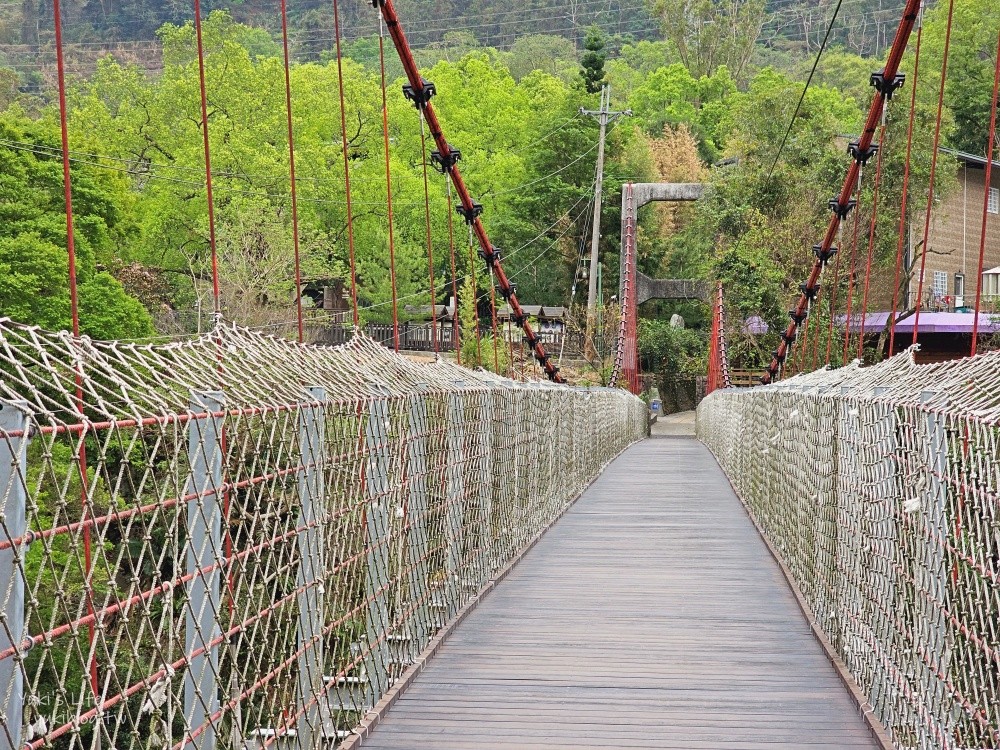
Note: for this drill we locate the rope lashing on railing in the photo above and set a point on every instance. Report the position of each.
(420, 91)
(280, 528)
(878, 488)
(885, 83)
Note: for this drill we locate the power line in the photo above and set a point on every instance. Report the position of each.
(784, 140)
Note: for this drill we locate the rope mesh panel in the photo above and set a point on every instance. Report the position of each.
(879, 487)
(277, 529)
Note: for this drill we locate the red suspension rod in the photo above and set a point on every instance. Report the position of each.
(885, 83)
(420, 92)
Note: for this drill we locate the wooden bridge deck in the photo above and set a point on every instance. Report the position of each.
(651, 615)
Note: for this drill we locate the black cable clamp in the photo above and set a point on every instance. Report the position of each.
(824, 255)
(543, 358)
(797, 316)
(861, 156)
(810, 292)
(884, 87)
(470, 215)
(765, 380)
(789, 338)
(778, 357)
(378, 3)
(445, 164)
(490, 256)
(531, 341)
(842, 209)
(421, 97)
(509, 292)
(520, 320)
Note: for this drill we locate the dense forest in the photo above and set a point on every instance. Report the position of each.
(711, 98)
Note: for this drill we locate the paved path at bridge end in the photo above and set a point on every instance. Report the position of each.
(650, 616)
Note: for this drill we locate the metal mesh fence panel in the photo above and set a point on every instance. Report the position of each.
(878, 487)
(239, 541)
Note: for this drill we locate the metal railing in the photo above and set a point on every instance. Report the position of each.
(880, 489)
(244, 541)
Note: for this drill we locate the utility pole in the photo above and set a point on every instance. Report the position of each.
(604, 115)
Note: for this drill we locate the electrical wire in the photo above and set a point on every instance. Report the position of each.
(795, 114)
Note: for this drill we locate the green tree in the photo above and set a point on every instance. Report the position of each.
(34, 280)
(710, 33)
(592, 60)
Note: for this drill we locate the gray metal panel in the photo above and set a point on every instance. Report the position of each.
(13, 506)
(204, 549)
(651, 615)
(312, 566)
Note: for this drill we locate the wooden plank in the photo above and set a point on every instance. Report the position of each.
(651, 615)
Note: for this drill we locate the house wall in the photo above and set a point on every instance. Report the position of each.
(953, 243)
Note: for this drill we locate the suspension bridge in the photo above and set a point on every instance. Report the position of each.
(242, 540)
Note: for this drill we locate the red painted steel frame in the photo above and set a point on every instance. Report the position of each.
(906, 24)
(413, 76)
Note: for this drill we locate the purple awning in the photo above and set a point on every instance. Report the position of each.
(930, 322)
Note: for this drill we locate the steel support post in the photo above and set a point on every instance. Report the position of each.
(455, 498)
(312, 570)
(14, 423)
(377, 431)
(416, 519)
(206, 456)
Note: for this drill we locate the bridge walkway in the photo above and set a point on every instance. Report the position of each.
(650, 616)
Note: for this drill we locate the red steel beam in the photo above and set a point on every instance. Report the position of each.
(882, 93)
(421, 94)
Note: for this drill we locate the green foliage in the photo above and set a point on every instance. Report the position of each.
(670, 351)
(708, 34)
(592, 61)
(971, 61)
(34, 270)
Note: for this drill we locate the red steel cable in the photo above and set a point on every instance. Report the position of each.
(422, 94)
(906, 189)
(291, 171)
(74, 301)
(475, 301)
(986, 197)
(430, 241)
(347, 165)
(388, 191)
(834, 289)
(851, 270)
(930, 186)
(493, 316)
(888, 75)
(871, 241)
(454, 276)
(816, 338)
(216, 295)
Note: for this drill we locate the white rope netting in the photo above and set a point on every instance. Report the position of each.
(878, 486)
(244, 540)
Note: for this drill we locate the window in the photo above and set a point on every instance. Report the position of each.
(991, 284)
(993, 205)
(940, 284)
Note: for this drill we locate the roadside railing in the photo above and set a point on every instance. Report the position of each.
(239, 541)
(879, 488)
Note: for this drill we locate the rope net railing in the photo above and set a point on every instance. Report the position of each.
(269, 532)
(879, 488)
